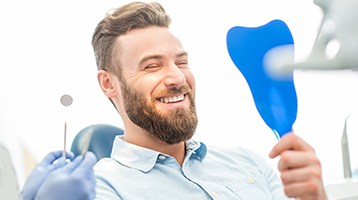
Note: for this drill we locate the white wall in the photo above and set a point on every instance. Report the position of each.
(46, 52)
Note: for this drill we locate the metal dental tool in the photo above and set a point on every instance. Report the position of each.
(66, 100)
(345, 152)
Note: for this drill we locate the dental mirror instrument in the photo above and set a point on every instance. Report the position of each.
(274, 94)
(66, 100)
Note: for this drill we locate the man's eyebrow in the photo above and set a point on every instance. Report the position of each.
(145, 58)
(184, 53)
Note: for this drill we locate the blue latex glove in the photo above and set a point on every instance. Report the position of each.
(49, 163)
(71, 181)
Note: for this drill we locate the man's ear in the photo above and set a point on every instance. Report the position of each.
(108, 82)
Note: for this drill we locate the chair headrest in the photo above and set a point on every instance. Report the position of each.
(101, 139)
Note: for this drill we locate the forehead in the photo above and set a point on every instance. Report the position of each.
(140, 43)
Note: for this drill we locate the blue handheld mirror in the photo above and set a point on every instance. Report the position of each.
(274, 94)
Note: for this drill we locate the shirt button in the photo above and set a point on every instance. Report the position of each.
(214, 194)
(251, 180)
(161, 157)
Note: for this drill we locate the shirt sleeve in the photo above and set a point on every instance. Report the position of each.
(104, 191)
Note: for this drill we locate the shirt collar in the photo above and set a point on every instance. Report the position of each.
(144, 159)
(195, 150)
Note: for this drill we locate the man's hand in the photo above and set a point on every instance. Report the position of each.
(300, 168)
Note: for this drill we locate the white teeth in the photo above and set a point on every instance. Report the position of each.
(171, 99)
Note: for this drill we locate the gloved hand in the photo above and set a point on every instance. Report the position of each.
(49, 163)
(56, 179)
(74, 181)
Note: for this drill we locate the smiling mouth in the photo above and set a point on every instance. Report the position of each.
(172, 99)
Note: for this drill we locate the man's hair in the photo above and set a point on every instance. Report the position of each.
(135, 15)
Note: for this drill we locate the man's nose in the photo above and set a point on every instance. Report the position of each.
(174, 76)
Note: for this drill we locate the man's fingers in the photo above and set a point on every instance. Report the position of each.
(289, 141)
(300, 175)
(301, 190)
(297, 159)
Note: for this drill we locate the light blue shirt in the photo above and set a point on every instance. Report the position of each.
(136, 173)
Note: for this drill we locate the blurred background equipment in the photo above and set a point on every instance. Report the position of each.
(8, 180)
(336, 44)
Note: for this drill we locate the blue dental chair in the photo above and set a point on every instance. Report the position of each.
(97, 138)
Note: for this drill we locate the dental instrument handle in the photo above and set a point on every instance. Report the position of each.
(64, 141)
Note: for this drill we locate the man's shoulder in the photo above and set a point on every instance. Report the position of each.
(104, 163)
(231, 150)
(235, 154)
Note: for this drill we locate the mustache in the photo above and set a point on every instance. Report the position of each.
(182, 89)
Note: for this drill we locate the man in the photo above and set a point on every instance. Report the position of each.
(143, 70)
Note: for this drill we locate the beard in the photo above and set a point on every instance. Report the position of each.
(171, 128)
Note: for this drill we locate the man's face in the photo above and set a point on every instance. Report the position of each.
(158, 87)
